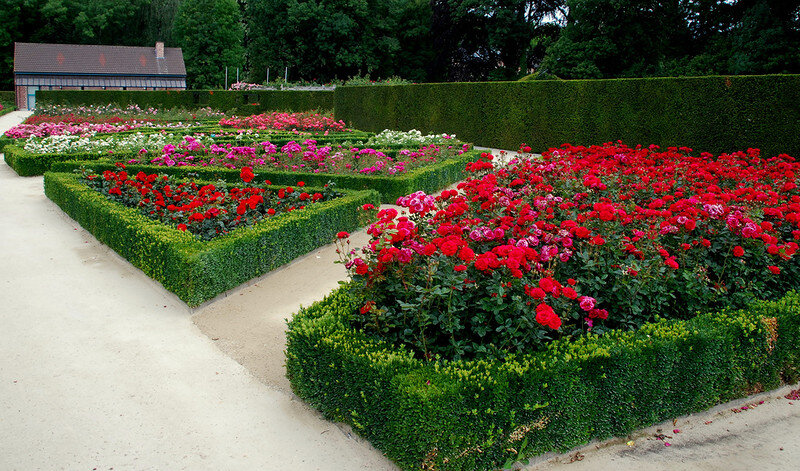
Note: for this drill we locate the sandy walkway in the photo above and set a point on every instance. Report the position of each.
(101, 367)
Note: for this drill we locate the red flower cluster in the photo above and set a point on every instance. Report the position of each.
(203, 209)
(645, 232)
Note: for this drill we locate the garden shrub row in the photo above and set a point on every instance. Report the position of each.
(27, 164)
(483, 414)
(712, 114)
(429, 178)
(243, 102)
(194, 270)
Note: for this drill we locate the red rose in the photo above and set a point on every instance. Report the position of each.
(738, 251)
(246, 174)
(460, 268)
(271, 212)
(775, 270)
(342, 235)
(181, 227)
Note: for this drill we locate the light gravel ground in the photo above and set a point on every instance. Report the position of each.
(100, 367)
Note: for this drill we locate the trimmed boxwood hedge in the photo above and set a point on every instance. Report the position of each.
(712, 114)
(27, 164)
(429, 178)
(194, 270)
(244, 102)
(482, 414)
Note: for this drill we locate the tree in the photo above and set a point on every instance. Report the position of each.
(479, 39)
(210, 32)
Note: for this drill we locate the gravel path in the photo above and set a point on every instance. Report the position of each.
(102, 368)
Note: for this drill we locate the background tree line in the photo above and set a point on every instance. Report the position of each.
(427, 40)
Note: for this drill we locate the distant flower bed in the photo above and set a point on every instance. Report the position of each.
(99, 113)
(286, 121)
(412, 138)
(70, 144)
(44, 129)
(307, 156)
(207, 211)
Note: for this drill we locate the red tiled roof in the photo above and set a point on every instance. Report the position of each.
(92, 59)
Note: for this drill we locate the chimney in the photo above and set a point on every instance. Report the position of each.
(159, 50)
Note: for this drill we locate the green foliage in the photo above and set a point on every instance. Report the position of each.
(608, 38)
(713, 114)
(241, 102)
(480, 415)
(7, 99)
(429, 178)
(324, 40)
(68, 22)
(27, 164)
(211, 35)
(194, 270)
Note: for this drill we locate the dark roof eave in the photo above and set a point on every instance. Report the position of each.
(101, 75)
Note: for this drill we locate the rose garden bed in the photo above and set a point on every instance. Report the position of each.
(555, 301)
(431, 177)
(197, 270)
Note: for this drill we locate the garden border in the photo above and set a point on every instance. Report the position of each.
(429, 178)
(28, 164)
(483, 414)
(194, 270)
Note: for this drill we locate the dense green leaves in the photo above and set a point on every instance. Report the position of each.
(474, 415)
(210, 32)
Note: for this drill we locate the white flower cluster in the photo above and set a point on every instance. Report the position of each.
(413, 138)
(69, 144)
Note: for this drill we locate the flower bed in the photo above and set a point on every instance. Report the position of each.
(496, 321)
(428, 178)
(476, 415)
(286, 121)
(584, 240)
(207, 211)
(308, 156)
(194, 269)
(127, 145)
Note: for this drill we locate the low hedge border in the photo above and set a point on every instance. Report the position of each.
(429, 178)
(482, 415)
(27, 164)
(194, 270)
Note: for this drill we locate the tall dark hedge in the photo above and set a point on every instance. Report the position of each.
(249, 102)
(713, 114)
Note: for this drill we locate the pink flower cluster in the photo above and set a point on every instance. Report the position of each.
(22, 131)
(286, 121)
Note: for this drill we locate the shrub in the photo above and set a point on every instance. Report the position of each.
(472, 415)
(716, 114)
(195, 270)
(583, 240)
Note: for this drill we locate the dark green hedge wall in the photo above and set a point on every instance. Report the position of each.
(481, 415)
(713, 114)
(428, 179)
(244, 102)
(195, 270)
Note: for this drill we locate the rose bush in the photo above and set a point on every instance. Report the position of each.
(286, 121)
(206, 210)
(587, 238)
(307, 156)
